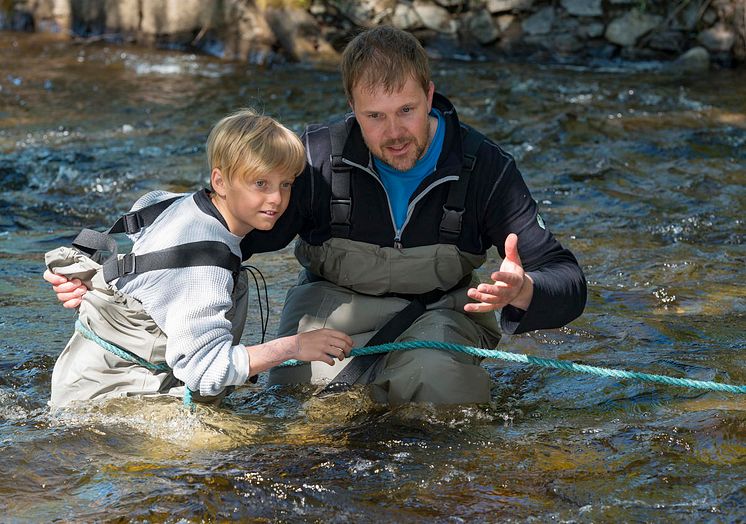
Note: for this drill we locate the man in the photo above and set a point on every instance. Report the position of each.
(397, 206)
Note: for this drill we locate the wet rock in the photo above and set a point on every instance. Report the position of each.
(481, 27)
(435, 17)
(583, 7)
(710, 16)
(565, 43)
(405, 17)
(299, 34)
(626, 29)
(364, 13)
(591, 30)
(689, 16)
(540, 23)
(503, 6)
(503, 22)
(695, 60)
(717, 38)
(247, 35)
(668, 41)
(174, 16)
(450, 3)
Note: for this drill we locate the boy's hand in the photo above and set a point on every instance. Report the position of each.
(69, 292)
(324, 345)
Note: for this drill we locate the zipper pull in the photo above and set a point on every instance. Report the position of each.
(397, 243)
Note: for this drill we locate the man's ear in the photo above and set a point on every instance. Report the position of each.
(218, 182)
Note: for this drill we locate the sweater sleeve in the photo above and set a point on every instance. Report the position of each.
(189, 305)
(559, 284)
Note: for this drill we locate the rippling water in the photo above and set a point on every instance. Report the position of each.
(642, 175)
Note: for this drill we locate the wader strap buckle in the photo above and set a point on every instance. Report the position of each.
(126, 265)
(468, 162)
(450, 224)
(340, 206)
(132, 222)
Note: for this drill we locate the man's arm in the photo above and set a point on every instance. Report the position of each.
(540, 284)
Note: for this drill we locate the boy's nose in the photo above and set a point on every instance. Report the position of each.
(274, 196)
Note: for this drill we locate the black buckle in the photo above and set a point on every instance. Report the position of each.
(132, 222)
(340, 215)
(127, 264)
(469, 162)
(451, 222)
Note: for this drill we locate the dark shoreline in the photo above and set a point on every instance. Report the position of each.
(686, 36)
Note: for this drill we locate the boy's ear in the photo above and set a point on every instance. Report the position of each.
(217, 182)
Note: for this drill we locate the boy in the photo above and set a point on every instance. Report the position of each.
(179, 297)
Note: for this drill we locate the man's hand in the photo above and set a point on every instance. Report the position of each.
(69, 292)
(512, 285)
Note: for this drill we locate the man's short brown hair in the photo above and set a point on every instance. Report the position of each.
(384, 57)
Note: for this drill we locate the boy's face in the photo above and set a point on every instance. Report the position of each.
(252, 204)
(395, 126)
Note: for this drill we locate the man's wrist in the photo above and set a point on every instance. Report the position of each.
(525, 295)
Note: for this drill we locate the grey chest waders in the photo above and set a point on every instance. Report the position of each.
(450, 229)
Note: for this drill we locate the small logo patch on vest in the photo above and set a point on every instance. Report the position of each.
(540, 221)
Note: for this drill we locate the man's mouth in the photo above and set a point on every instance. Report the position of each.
(398, 147)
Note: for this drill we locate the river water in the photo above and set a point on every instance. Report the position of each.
(641, 174)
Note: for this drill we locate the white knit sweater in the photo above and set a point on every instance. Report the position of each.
(189, 304)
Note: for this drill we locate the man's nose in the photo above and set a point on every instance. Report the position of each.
(393, 128)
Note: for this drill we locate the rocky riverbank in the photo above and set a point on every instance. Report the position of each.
(686, 35)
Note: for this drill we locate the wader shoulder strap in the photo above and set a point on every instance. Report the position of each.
(341, 202)
(205, 253)
(98, 244)
(453, 210)
(349, 374)
(92, 242)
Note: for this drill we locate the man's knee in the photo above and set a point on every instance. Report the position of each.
(430, 375)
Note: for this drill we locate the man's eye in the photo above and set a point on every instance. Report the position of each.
(406, 109)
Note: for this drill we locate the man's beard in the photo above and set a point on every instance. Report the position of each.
(403, 163)
(407, 162)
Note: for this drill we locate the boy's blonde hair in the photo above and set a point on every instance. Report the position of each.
(247, 145)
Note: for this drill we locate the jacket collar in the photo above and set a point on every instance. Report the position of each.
(450, 158)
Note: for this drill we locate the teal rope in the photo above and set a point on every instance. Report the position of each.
(130, 357)
(543, 362)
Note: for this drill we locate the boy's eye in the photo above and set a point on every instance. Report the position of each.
(286, 185)
(260, 183)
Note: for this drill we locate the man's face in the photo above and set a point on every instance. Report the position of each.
(395, 126)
